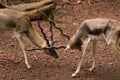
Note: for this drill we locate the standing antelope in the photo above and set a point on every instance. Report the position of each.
(90, 30)
(20, 24)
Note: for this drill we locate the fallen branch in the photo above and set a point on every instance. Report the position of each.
(57, 27)
(53, 23)
(30, 9)
(53, 47)
(31, 6)
(44, 35)
(50, 46)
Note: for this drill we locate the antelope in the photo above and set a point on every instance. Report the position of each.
(20, 24)
(91, 30)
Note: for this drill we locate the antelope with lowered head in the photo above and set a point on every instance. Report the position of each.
(91, 30)
(20, 24)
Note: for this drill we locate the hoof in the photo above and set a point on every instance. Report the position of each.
(73, 75)
(29, 67)
(91, 69)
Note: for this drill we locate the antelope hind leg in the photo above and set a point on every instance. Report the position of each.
(15, 50)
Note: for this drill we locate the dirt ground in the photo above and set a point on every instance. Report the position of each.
(68, 17)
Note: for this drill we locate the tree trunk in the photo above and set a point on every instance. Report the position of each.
(31, 6)
(34, 10)
(41, 13)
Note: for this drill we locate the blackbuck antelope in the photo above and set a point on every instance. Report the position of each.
(20, 24)
(91, 30)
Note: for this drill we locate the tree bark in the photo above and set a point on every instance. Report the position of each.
(31, 6)
(36, 10)
(41, 13)
(2, 6)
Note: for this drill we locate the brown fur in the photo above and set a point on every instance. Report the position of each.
(20, 24)
(92, 29)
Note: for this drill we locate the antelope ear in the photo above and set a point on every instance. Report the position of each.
(67, 47)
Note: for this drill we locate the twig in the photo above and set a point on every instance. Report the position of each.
(51, 31)
(45, 37)
(54, 24)
(53, 47)
(43, 13)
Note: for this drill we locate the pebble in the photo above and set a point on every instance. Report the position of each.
(111, 64)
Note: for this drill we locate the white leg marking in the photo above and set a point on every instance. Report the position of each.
(93, 56)
(19, 38)
(85, 44)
